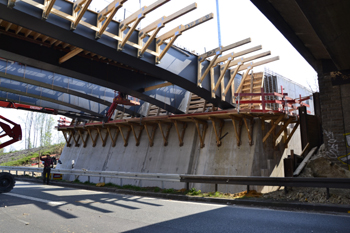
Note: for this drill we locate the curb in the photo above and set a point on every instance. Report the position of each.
(266, 203)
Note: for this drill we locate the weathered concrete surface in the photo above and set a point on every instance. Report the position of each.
(228, 159)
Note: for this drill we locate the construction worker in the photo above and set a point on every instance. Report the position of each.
(48, 163)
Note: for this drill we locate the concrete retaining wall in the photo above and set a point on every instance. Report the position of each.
(228, 159)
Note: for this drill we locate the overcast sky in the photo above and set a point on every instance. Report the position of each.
(239, 19)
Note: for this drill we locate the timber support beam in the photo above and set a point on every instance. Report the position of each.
(166, 135)
(137, 137)
(182, 135)
(238, 129)
(83, 139)
(152, 134)
(125, 138)
(217, 130)
(115, 137)
(201, 135)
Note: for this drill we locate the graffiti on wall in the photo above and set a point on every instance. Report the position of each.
(332, 151)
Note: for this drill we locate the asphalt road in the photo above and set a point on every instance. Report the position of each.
(34, 208)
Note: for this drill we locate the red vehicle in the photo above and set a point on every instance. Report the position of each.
(7, 181)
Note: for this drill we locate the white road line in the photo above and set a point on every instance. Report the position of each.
(52, 203)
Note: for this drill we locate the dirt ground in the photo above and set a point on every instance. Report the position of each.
(320, 165)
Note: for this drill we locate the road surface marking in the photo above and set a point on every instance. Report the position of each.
(52, 203)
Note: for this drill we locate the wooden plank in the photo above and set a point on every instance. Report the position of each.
(182, 28)
(260, 55)
(157, 86)
(259, 63)
(221, 49)
(233, 55)
(164, 20)
(70, 55)
(106, 16)
(48, 7)
(233, 75)
(273, 128)
(79, 8)
(303, 163)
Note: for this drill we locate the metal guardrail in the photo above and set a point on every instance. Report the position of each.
(104, 174)
(208, 179)
(269, 181)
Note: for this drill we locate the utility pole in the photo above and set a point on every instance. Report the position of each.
(218, 21)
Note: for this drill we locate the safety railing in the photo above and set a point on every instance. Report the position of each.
(343, 183)
(104, 174)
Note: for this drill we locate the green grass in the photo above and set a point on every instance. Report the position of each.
(194, 192)
(20, 160)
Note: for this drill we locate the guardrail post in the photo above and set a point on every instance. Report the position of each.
(216, 187)
(187, 185)
(162, 184)
(89, 179)
(247, 189)
(121, 181)
(24, 173)
(16, 173)
(32, 174)
(104, 179)
(140, 183)
(328, 195)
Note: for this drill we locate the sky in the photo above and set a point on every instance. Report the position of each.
(239, 19)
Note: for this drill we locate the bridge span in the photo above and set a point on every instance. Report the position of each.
(69, 41)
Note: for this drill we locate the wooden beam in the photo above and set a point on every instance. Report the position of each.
(19, 28)
(137, 138)
(233, 75)
(239, 130)
(64, 132)
(164, 20)
(165, 50)
(182, 28)
(76, 140)
(286, 123)
(37, 36)
(151, 136)
(157, 86)
(48, 4)
(249, 129)
(239, 89)
(125, 139)
(115, 137)
(11, 3)
(84, 140)
(166, 135)
(141, 13)
(201, 135)
(8, 26)
(79, 8)
(103, 138)
(211, 64)
(70, 55)
(232, 55)
(28, 33)
(182, 135)
(260, 55)
(106, 15)
(93, 138)
(273, 127)
(221, 78)
(259, 63)
(218, 131)
(292, 133)
(221, 49)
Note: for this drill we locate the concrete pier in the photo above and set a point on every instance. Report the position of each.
(258, 159)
